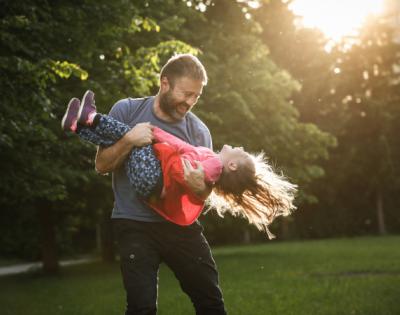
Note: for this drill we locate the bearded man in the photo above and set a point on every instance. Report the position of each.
(144, 238)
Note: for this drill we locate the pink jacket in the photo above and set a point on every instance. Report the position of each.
(179, 204)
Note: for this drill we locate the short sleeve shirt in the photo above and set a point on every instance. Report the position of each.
(131, 112)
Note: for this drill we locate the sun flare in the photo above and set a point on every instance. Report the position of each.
(336, 18)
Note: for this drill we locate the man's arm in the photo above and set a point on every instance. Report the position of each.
(195, 177)
(108, 159)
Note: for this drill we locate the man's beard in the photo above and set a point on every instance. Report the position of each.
(168, 106)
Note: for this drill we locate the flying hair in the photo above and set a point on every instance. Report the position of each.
(256, 193)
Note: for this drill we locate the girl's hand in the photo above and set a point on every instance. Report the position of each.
(194, 178)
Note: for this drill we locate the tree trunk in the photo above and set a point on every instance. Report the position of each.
(285, 232)
(47, 238)
(246, 236)
(106, 237)
(380, 214)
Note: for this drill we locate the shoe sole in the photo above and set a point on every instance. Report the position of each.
(70, 104)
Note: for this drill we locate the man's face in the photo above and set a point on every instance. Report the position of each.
(177, 100)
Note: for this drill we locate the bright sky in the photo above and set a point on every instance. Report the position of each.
(336, 18)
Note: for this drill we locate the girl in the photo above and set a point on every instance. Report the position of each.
(243, 184)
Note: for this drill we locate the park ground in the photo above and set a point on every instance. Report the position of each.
(323, 277)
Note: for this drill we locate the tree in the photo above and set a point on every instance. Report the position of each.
(335, 95)
(247, 101)
(367, 92)
(50, 52)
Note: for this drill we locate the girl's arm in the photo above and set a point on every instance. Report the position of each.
(163, 136)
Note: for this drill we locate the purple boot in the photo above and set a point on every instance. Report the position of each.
(87, 110)
(69, 121)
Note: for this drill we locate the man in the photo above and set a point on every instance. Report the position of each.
(144, 238)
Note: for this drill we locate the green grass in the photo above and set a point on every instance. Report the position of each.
(345, 276)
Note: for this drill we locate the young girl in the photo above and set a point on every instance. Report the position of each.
(243, 184)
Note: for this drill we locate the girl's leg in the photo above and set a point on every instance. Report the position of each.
(110, 128)
(88, 134)
(144, 172)
(142, 167)
(104, 131)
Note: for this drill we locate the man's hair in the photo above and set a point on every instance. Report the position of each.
(184, 65)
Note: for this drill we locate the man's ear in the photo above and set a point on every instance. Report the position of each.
(232, 166)
(164, 84)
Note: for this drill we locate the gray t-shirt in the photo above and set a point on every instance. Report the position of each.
(131, 112)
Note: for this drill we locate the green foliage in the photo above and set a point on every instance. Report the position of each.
(65, 69)
(272, 88)
(359, 112)
(50, 53)
(252, 95)
(364, 106)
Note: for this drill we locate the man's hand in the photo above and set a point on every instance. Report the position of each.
(140, 135)
(194, 178)
(108, 159)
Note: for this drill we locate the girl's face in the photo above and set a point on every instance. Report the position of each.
(232, 156)
(232, 152)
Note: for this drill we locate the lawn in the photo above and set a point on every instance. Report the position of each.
(342, 276)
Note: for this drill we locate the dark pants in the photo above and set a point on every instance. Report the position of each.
(144, 245)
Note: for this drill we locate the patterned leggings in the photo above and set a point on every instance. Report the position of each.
(142, 166)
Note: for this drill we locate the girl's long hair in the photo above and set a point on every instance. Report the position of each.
(255, 192)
